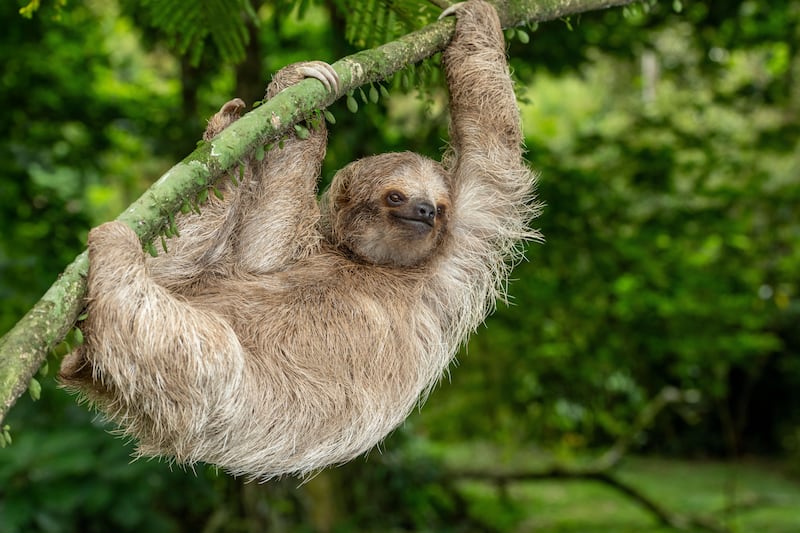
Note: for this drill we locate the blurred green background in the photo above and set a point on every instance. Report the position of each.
(650, 351)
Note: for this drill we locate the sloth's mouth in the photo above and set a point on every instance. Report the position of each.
(422, 224)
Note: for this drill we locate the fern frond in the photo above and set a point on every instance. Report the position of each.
(190, 24)
(370, 23)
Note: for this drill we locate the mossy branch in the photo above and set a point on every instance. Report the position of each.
(24, 348)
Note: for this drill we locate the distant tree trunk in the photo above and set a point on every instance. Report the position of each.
(250, 81)
(189, 85)
(191, 81)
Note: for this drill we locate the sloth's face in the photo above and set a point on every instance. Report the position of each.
(409, 220)
(393, 210)
(413, 217)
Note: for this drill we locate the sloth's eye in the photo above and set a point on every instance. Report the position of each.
(395, 198)
(439, 210)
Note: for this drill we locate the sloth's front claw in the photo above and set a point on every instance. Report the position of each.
(323, 72)
(451, 10)
(297, 72)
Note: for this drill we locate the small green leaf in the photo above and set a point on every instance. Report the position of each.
(151, 249)
(523, 36)
(373, 95)
(28, 10)
(317, 120)
(329, 117)
(302, 131)
(44, 369)
(185, 208)
(352, 105)
(384, 92)
(202, 196)
(173, 227)
(259, 155)
(61, 349)
(77, 336)
(510, 34)
(363, 95)
(164, 244)
(35, 389)
(83, 317)
(217, 193)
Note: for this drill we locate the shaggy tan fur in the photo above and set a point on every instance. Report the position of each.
(277, 337)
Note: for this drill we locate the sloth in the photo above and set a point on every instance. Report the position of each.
(281, 333)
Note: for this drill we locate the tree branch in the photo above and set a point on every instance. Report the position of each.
(661, 513)
(519, 12)
(667, 396)
(601, 470)
(25, 346)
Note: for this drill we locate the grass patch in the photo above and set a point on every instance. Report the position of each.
(746, 495)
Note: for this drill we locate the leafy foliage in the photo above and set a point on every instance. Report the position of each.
(59, 145)
(667, 145)
(190, 26)
(33, 6)
(669, 258)
(370, 23)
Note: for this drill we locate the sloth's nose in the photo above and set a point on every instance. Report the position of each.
(425, 210)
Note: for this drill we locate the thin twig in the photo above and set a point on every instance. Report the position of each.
(661, 513)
